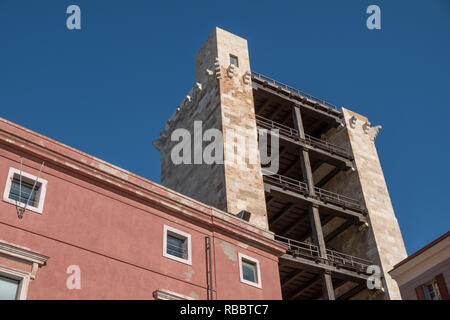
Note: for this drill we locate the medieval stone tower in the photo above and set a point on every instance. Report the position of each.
(328, 200)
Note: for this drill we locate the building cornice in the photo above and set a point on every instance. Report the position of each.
(22, 253)
(426, 259)
(56, 153)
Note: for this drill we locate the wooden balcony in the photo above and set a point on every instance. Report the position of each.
(327, 199)
(301, 268)
(322, 149)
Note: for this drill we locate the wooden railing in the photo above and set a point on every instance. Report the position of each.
(311, 251)
(289, 132)
(298, 248)
(302, 94)
(338, 199)
(323, 195)
(285, 182)
(346, 260)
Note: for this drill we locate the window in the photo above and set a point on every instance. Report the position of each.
(8, 288)
(234, 61)
(24, 191)
(13, 284)
(14, 281)
(431, 291)
(177, 245)
(249, 271)
(19, 190)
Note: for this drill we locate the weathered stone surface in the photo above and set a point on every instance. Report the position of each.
(382, 242)
(224, 103)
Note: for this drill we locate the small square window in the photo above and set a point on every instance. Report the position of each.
(25, 189)
(234, 61)
(249, 270)
(177, 245)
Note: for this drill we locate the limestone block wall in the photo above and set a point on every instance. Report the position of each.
(382, 242)
(244, 184)
(222, 99)
(203, 182)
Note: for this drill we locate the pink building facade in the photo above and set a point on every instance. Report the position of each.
(95, 231)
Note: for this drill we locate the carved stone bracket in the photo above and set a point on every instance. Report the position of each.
(366, 127)
(373, 132)
(231, 70)
(247, 77)
(352, 122)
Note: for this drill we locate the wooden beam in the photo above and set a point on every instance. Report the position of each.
(289, 229)
(303, 200)
(327, 287)
(280, 214)
(291, 277)
(290, 167)
(352, 292)
(331, 114)
(319, 267)
(314, 217)
(328, 177)
(337, 283)
(317, 165)
(269, 199)
(303, 288)
(264, 106)
(274, 115)
(288, 114)
(333, 234)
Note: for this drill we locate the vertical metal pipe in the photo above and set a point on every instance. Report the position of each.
(209, 286)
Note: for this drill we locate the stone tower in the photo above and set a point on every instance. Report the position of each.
(328, 201)
(221, 99)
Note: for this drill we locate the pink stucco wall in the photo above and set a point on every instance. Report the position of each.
(117, 240)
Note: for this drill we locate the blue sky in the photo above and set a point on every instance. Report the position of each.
(108, 88)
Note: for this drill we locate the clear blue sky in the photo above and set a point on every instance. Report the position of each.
(109, 88)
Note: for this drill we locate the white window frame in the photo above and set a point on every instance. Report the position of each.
(241, 257)
(22, 277)
(40, 194)
(182, 234)
(17, 253)
(233, 56)
(426, 293)
(163, 294)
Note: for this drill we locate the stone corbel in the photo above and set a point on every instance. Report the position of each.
(247, 77)
(352, 122)
(373, 132)
(187, 100)
(180, 114)
(217, 70)
(231, 70)
(366, 127)
(363, 227)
